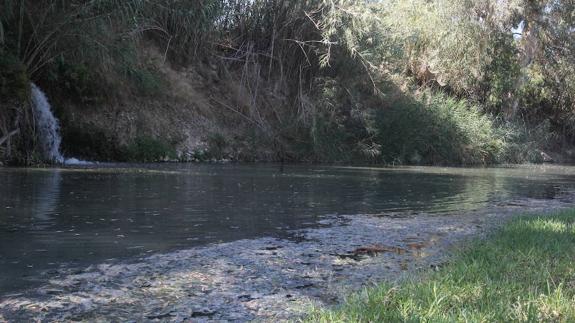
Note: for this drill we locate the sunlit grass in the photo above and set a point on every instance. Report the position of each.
(525, 272)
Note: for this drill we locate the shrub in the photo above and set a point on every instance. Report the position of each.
(76, 81)
(14, 83)
(217, 145)
(148, 149)
(523, 143)
(435, 128)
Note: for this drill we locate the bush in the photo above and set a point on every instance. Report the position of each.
(146, 80)
(217, 145)
(524, 143)
(148, 149)
(75, 81)
(329, 140)
(436, 129)
(14, 82)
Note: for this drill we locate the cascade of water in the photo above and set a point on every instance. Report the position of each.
(48, 129)
(47, 126)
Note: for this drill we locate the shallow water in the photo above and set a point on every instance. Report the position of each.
(51, 218)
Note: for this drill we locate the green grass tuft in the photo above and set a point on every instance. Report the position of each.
(523, 273)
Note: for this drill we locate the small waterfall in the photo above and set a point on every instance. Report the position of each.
(48, 129)
(47, 126)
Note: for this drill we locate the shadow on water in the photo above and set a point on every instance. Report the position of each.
(74, 217)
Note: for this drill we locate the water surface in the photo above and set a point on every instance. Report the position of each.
(51, 218)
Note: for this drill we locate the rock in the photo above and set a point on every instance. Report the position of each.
(546, 158)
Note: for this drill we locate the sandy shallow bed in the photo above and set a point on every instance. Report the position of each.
(263, 279)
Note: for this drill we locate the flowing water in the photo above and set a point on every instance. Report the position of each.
(48, 130)
(57, 217)
(47, 126)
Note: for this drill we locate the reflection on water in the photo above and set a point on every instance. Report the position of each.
(48, 195)
(51, 217)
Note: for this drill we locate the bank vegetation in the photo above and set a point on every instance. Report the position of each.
(522, 273)
(392, 82)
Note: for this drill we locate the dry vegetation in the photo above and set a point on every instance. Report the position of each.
(321, 80)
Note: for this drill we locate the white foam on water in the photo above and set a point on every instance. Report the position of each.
(77, 162)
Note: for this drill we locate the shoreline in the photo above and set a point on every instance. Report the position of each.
(267, 278)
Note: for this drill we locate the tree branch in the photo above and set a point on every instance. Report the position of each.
(8, 136)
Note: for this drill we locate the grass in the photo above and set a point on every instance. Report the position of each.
(523, 273)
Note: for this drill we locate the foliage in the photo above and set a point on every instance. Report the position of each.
(14, 117)
(522, 143)
(148, 149)
(441, 130)
(523, 273)
(217, 145)
(14, 83)
(311, 76)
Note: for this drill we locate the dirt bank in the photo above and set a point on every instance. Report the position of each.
(263, 279)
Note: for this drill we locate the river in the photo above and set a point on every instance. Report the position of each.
(72, 217)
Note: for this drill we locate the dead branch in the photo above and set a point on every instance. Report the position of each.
(8, 136)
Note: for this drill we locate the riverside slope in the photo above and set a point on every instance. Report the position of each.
(262, 279)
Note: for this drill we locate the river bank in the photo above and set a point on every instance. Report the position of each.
(262, 279)
(523, 272)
